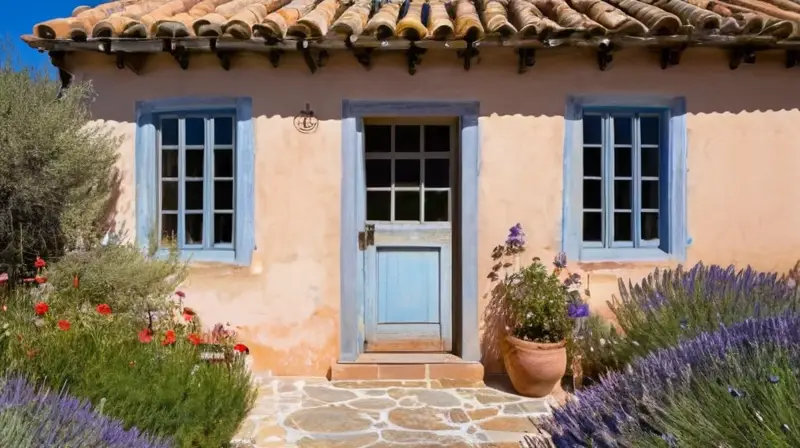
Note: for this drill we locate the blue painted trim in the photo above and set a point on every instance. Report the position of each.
(673, 247)
(352, 216)
(147, 177)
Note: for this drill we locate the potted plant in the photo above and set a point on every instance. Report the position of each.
(540, 307)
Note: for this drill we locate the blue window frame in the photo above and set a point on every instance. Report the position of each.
(194, 165)
(624, 180)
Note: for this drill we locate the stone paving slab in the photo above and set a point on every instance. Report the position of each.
(316, 413)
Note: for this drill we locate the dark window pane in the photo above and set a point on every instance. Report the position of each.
(223, 195)
(622, 195)
(223, 228)
(437, 138)
(623, 130)
(406, 206)
(169, 131)
(592, 193)
(379, 173)
(169, 163)
(622, 227)
(223, 162)
(195, 131)
(622, 162)
(194, 162)
(436, 206)
(592, 226)
(377, 138)
(592, 162)
(194, 195)
(650, 162)
(650, 194)
(223, 131)
(169, 195)
(406, 138)
(437, 173)
(649, 226)
(649, 130)
(169, 229)
(194, 229)
(407, 173)
(592, 130)
(379, 205)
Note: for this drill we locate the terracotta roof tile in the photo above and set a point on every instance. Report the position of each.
(424, 19)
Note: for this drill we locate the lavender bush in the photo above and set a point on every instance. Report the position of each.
(35, 417)
(735, 387)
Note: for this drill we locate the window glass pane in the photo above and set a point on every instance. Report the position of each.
(592, 226)
(649, 130)
(194, 162)
(592, 165)
(592, 193)
(623, 130)
(195, 131)
(650, 194)
(592, 129)
(622, 226)
(437, 138)
(649, 226)
(377, 138)
(622, 162)
(437, 173)
(193, 191)
(379, 205)
(379, 173)
(169, 131)
(194, 228)
(169, 163)
(407, 173)
(436, 206)
(622, 195)
(223, 130)
(650, 162)
(406, 138)
(223, 162)
(223, 228)
(406, 206)
(169, 195)
(169, 229)
(223, 195)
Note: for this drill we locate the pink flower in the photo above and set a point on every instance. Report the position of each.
(180, 294)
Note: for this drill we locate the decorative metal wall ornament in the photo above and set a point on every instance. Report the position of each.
(306, 122)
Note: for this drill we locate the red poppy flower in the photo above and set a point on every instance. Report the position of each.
(195, 339)
(64, 325)
(75, 282)
(41, 308)
(39, 263)
(169, 338)
(104, 309)
(241, 348)
(180, 294)
(39, 279)
(188, 314)
(145, 336)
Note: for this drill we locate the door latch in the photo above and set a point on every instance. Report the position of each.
(367, 237)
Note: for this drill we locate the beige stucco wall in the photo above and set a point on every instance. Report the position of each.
(743, 156)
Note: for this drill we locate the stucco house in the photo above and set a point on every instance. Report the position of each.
(340, 171)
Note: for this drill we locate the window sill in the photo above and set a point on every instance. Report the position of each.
(203, 256)
(624, 255)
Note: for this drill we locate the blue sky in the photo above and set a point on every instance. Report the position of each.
(19, 16)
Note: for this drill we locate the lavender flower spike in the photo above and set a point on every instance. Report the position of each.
(516, 236)
(577, 310)
(561, 260)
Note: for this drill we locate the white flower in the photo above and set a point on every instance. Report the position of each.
(602, 342)
(635, 343)
(591, 349)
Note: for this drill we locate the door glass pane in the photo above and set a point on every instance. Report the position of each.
(623, 130)
(169, 163)
(194, 195)
(169, 195)
(437, 138)
(194, 228)
(649, 162)
(649, 226)
(223, 195)
(592, 129)
(379, 173)
(622, 226)
(223, 131)
(650, 194)
(592, 165)
(592, 226)
(377, 138)
(379, 205)
(622, 195)
(436, 206)
(223, 162)
(437, 173)
(169, 131)
(622, 162)
(407, 173)
(169, 228)
(407, 138)
(650, 130)
(223, 228)
(194, 162)
(406, 206)
(592, 193)
(195, 131)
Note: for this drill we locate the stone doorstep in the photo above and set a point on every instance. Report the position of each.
(449, 374)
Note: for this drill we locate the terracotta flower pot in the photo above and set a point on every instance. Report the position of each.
(534, 368)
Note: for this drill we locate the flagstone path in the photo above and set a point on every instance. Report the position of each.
(316, 413)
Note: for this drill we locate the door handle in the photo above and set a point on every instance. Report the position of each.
(366, 238)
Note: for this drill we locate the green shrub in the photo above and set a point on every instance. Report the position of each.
(598, 347)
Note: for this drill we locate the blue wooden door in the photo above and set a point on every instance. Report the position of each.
(408, 236)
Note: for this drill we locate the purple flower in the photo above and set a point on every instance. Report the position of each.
(561, 260)
(576, 310)
(516, 236)
(774, 379)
